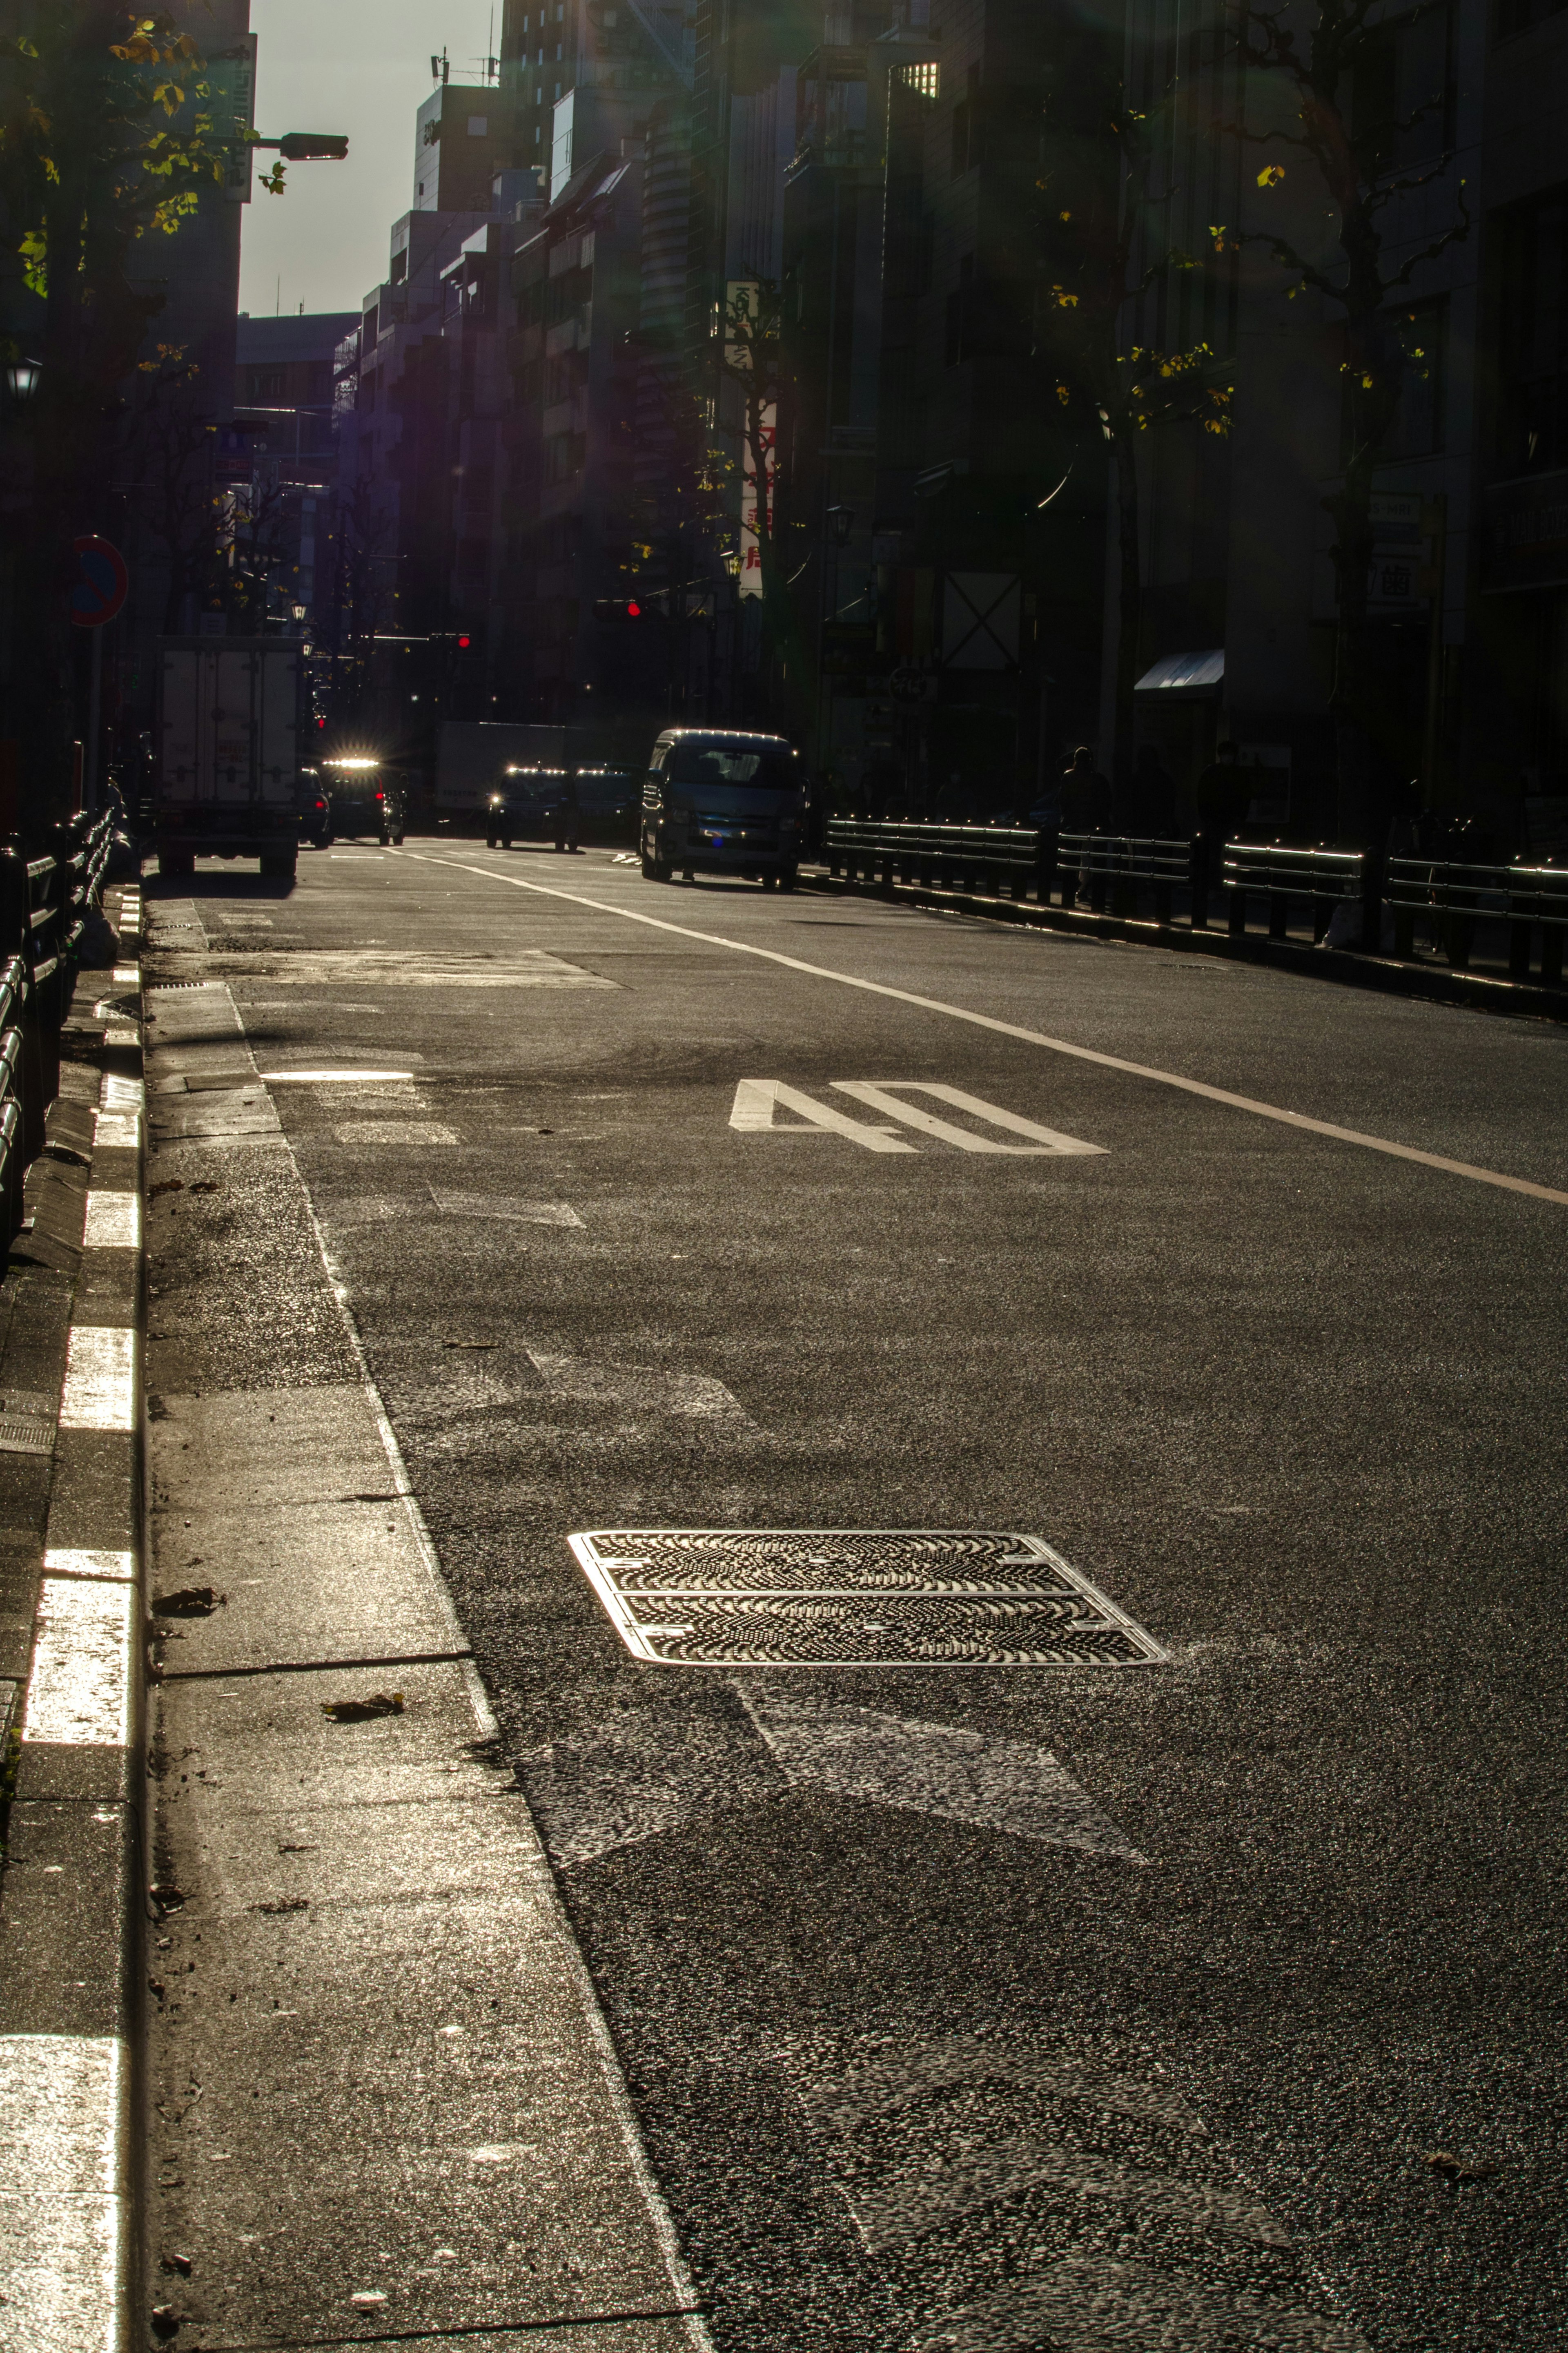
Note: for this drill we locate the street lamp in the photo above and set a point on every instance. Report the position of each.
(309, 147)
(843, 522)
(22, 378)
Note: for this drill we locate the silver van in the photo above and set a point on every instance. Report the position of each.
(721, 802)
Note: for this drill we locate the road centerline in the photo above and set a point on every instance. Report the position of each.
(1199, 1087)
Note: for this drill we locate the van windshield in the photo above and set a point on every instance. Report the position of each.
(767, 766)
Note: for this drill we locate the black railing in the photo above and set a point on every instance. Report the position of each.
(1354, 899)
(46, 906)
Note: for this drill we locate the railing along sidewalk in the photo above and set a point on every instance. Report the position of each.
(1121, 874)
(46, 904)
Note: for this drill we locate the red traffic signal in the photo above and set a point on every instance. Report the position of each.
(463, 644)
(616, 608)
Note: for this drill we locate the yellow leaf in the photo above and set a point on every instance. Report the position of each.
(1270, 175)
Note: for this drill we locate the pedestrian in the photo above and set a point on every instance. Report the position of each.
(1086, 796)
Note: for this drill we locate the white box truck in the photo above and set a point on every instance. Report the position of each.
(472, 757)
(230, 718)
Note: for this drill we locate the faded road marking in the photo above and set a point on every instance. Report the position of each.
(1028, 1037)
(641, 1389)
(497, 1205)
(1085, 2303)
(932, 1768)
(78, 1692)
(118, 1564)
(328, 1078)
(394, 1131)
(100, 1378)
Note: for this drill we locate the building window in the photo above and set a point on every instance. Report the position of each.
(265, 383)
(925, 80)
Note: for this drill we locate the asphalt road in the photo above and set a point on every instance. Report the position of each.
(935, 2041)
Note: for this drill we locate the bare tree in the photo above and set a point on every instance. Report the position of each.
(1097, 253)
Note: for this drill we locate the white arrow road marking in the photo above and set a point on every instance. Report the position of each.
(758, 1100)
(637, 1776)
(932, 1768)
(1086, 2303)
(1052, 2142)
(879, 1095)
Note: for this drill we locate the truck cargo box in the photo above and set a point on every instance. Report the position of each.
(230, 711)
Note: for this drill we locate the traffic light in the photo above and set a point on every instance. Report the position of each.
(616, 608)
(464, 642)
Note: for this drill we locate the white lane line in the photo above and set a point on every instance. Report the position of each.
(69, 1563)
(118, 1128)
(126, 976)
(113, 1221)
(78, 1692)
(100, 1378)
(1012, 1029)
(116, 1093)
(327, 1078)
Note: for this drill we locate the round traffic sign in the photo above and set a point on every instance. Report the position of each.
(101, 581)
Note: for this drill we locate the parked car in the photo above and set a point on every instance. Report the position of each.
(362, 797)
(562, 805)
(722, 802)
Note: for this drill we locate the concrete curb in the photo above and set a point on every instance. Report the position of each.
(1345, 966)
(72, 1910)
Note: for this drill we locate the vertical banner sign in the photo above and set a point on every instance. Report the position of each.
(231, 84)
(743, 310)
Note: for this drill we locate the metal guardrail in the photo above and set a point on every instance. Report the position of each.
(46, 904)
(1126, 875)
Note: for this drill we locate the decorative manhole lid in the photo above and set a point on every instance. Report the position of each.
(854, 1597)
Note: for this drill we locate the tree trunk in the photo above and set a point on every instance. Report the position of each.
(1130, 609)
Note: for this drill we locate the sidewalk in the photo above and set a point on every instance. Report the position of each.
(70, 1515)
(383, 2103)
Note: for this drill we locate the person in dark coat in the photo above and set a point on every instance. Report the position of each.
(1086, 796)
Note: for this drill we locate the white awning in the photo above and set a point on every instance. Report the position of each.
(1184, 674)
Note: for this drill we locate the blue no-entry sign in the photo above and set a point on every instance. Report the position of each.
(101, 584)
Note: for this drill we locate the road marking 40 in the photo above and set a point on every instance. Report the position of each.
(758, 1102)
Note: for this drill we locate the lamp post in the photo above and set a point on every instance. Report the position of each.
(22, 379)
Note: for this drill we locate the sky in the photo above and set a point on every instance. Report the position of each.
(362, 66)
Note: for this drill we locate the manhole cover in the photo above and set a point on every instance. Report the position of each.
(853, 1598)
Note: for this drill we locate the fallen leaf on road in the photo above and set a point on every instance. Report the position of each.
(355, 1711)
(208, 1184)
(168, 1184)
(285, 1904)
(1458, 2169)
(190, 1601)
(181, 2264)
(165, 2319)
(469, 1343)
(166, 1897)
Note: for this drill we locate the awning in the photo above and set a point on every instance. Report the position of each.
(1184, 674)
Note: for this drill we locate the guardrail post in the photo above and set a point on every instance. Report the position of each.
(1372, 870)
(1198, 880)
(1044, 865)
(1522, 922)
(1237, 909)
